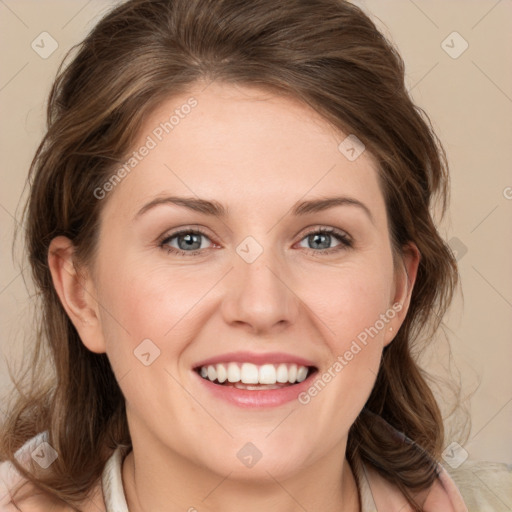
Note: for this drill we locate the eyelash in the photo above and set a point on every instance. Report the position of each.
(345, 241)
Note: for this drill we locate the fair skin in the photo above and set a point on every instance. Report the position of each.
(257, 154)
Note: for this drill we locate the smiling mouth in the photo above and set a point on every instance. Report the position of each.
(250, 376)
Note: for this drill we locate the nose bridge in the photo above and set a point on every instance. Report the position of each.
(257, 293)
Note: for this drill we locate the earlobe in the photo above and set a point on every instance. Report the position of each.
(76, 293)
(405, 278)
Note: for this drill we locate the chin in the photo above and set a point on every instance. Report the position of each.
(262, 466)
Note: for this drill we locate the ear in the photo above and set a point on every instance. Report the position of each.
(405, 277)
(76, 293)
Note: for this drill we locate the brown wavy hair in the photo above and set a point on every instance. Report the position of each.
(326, 53)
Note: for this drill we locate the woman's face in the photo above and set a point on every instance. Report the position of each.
(262, 175)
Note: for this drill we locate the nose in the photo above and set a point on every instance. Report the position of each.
(260, 296)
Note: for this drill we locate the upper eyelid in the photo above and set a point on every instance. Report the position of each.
(184, 230)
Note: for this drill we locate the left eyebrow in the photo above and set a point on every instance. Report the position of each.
(216, 209)
(318, 205)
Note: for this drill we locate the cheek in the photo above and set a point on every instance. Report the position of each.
(150, 302)
(159, 304)
(349, 301)
(353, 312)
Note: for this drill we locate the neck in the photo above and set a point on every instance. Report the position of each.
(184, 486)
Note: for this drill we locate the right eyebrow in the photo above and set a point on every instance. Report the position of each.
(207, 207)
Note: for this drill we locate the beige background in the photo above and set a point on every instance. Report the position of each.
(469, 99)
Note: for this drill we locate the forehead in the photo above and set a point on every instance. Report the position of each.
(242, 146)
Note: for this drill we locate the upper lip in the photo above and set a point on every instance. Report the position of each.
(255, 358)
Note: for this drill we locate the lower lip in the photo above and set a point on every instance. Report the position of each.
(256, 398)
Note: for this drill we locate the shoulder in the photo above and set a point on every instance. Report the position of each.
(14, 486)
(27, 497)
(442, 496)
(484, 485)
(474, 486)
(17, 493)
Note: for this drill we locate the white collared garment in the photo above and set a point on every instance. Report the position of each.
(112, 482)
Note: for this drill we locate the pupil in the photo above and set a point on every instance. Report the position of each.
(317, 240)
(190, 240)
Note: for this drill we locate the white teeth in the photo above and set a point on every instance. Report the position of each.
(248, 373)
(292, 373)
(212, 373)
(267, 374)
(282, 373)
(222, 373)
(302, 373)
(233, 372)
(255, 387)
